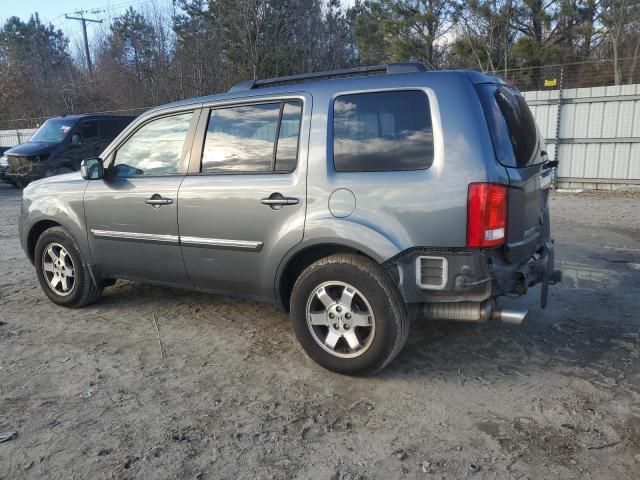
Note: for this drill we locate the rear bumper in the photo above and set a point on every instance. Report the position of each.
(509, 278)
(471, 275)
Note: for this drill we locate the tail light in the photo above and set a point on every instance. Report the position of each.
(486, 215)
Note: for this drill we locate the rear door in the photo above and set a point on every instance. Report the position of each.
(519, 147)
(242, 206)
(132, 214)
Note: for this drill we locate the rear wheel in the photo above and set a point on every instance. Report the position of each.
(62, 271)
(348, 315)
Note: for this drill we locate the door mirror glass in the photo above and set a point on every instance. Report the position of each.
(75, 139)
(92, 168)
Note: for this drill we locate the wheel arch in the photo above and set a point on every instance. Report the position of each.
(41, 226)
(36, 230)
(300, 258)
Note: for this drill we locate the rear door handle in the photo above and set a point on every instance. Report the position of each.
(157, 200)
(280, 201)
(277, 201)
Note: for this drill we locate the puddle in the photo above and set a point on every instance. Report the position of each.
(580, 275)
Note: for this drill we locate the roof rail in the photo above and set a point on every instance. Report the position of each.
(388, 69)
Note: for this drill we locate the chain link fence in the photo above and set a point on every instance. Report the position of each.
(596, 73)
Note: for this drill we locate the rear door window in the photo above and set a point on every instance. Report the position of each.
(382, 131)
(253, 138)
(511, 125)
(89, 129)
(109, 129)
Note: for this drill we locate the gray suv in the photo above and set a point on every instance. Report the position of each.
(355, 199)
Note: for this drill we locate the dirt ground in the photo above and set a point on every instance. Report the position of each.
(235, 397)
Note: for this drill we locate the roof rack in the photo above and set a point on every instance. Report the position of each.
(388, 69)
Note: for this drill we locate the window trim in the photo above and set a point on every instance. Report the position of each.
(195, 164)
(433, 109)
(135, 126)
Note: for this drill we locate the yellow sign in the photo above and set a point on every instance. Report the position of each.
(550, 82)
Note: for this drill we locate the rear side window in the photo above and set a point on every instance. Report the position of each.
(109, 129)
(511, 125)
(382, 131)
(89, 129)
(253, 138)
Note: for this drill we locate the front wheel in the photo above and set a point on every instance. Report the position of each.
(348, 316)
(62, 271)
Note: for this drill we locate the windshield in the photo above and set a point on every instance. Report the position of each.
(52, 131)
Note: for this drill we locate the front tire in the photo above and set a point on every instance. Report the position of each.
(62, 271)
(348, 315)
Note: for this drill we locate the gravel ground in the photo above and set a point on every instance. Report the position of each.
(234, 396)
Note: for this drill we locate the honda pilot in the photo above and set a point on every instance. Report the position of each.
(355, 199)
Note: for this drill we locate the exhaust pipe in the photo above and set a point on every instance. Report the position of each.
(472, 312)
(513, 317)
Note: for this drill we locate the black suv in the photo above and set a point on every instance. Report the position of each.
(59, 146)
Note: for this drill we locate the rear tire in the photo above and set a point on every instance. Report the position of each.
(348, 315)
(62, 271)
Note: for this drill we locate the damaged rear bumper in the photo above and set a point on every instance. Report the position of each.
(469, 275)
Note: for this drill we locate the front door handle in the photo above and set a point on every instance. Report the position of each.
(277, 201)
(156, 200)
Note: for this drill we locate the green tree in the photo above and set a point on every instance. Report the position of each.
(131, 44)
(35, 61)
(405, 29)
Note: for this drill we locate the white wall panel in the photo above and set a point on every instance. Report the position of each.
(599, 137)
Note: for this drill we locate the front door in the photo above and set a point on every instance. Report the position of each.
(132, 213)
(242, 207)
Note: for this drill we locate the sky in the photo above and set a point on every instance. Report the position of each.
(52, 11)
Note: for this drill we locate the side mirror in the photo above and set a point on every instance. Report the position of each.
(92, 168)
(75, 139)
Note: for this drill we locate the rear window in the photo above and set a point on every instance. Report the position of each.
(382, 131)
(511, 126)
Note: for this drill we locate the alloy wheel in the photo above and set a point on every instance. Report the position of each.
(58, 269)
(340, 319)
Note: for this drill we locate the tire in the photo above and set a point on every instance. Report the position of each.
(81, 289)
(374, 296)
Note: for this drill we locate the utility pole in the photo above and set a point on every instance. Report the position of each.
(84, 34)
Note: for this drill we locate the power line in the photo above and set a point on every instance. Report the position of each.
(84, 21)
